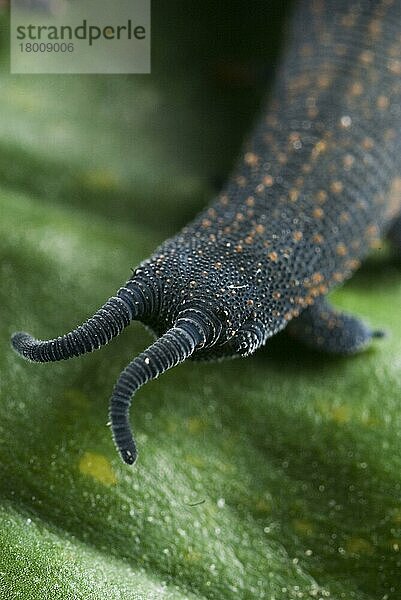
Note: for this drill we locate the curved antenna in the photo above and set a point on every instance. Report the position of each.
(172, 348)
(130, 303)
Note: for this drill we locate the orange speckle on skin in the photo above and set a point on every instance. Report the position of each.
(341, 249)
(344, 217)
(356, 88)
(268, 180)
(382, 102)
(293, 194)
(318, 213)
(293, 137)
(366, 57)
(394, 66)
(317, 278)
(250, 201)
(323, 81)
(394, 199)
(318, 238)
(352, 264)
(348, 161)
(241, 181)
(371, 230)
(375, 28)
(217, 265)
(297, 236)
(206, 223)
(248, 239)
(259, 228)
(251, 159)
(224, 200)
(273, 256)
(276, 295)
(336, 187)
(319, 147)
(389, 134)
(367, 143)
(321, 196)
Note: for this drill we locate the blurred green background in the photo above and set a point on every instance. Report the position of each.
(275, 477)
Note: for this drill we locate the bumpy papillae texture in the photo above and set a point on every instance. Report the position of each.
(318, 184)
(320, 178)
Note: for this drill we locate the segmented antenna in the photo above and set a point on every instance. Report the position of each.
(172, 348)
(131, 302)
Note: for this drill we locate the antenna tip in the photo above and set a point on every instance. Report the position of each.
(20, 341)
(129, 455)
(379, 333)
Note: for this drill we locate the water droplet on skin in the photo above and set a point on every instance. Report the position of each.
(346, 121)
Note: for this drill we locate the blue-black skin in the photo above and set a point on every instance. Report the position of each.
(316, 187)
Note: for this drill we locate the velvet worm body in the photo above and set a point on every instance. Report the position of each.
(316, 187)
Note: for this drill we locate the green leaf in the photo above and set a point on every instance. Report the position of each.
(277, 476)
